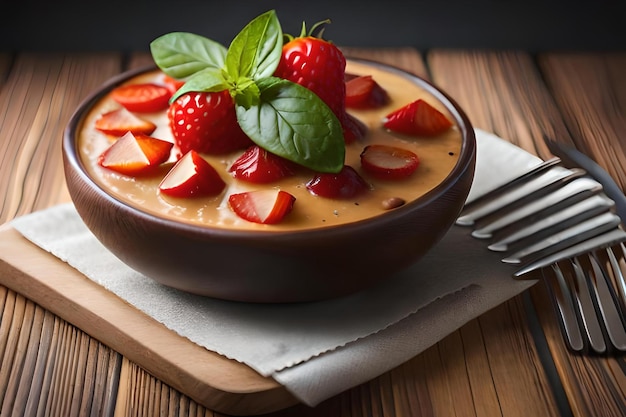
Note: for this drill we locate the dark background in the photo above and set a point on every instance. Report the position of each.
(131, 25)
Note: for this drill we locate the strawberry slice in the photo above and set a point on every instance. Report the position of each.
(192, 176)
(142, 98)
(363, 92)
(172, 83)
(417, 118)
(118, 122)
(345, 184)
(353, 129)
(267, 206)
(260, 166)
(388, 162)
(135, 154)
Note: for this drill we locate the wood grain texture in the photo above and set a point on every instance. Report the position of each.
(590, 90)
(40, 95)
(49, 366)
(502, 92)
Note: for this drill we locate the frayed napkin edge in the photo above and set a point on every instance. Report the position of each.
(388, 327)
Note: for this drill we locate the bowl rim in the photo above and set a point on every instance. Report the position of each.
(465, 161)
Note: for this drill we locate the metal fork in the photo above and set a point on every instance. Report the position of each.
(589, 306)
(560, 222)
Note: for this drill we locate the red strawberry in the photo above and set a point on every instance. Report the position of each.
(363, 92)
(345, 184)
(417, 118)
(260, 166)
(135, 154)
(319, 66)
(262, 206)
(118, 122)
(142, 98)
(192, 176)
(206, 123)
(388, 162)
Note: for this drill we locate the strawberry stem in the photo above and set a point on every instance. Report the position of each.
(316, 27)
(304, 33)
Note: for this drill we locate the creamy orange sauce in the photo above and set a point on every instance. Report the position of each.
(438, 155)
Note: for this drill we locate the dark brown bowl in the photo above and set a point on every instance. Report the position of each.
(258, 266)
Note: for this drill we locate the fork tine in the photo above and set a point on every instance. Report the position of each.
(563, 298)
(565, 238)
(517, 233)
(617, 267)
(607, 239)
(583, 296)
(607, 305)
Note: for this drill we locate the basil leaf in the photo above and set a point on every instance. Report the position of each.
(247, 93)
(292, 122)
(255, 52)
(206, 80)
(270, 49)
(182, 54)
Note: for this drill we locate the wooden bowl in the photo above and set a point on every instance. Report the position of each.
(259, 266)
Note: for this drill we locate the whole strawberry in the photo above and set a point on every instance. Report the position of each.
(206, 123)
(320, 66)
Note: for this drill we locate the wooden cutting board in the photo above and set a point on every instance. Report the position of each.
(208, 378)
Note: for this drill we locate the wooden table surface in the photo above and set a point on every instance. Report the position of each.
(509, 362)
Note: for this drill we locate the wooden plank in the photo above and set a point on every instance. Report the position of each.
(502, 92)
(514, 362)
(590, 90)
(210, 379)
(479, 371)
(39, 97)
(33, 379)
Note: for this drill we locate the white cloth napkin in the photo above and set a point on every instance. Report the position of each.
(317, 350)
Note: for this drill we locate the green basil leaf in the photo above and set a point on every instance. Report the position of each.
(270, 49)
(206, 80)
(292, 122)
(247, 93)
(255, 51)
(182, 54)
